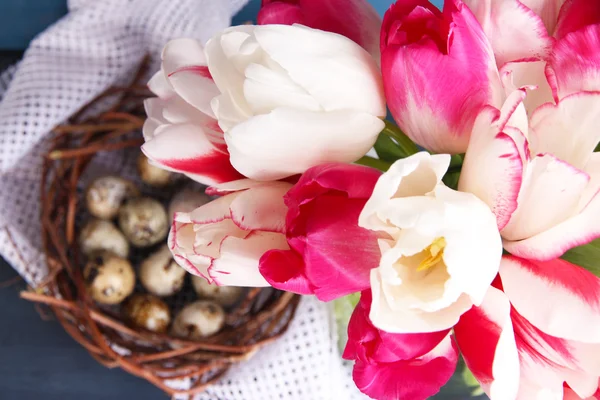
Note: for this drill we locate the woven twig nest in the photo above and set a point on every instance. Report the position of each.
(259, 317)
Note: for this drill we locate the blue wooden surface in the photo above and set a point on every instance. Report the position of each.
(21, 20)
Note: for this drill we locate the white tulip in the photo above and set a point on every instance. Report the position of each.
(441, 249)
(292, 97)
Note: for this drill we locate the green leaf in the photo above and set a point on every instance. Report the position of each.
(387, 149)
(342, 310)
(403, 142)
(451, 179)
(586, 256)
(374, 163)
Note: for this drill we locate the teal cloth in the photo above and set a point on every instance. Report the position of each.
(21, 20)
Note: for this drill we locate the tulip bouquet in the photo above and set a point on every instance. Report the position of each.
(470, 234)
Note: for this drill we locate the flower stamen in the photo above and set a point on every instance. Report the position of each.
(436, 252)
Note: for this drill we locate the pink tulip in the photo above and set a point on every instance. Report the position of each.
(355, 19)
(539, 174)
(330, 255)
(223, 240)
(181, 132)
(438, 72)
(538, 328)
(392, 366)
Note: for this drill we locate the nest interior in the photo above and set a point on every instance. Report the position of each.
(92, 144)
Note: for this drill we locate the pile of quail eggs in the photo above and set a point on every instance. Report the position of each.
(124, 221)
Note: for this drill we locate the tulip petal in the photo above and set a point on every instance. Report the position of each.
(493, 167)
(577, 114)
(549, 195)
(486, 340)
(571, 306)
(186, 148)
(260, 151)
(514, 30)
(575, 63)
(160, 86)
(261, 208)
(415, 379)
(340, 61)
(413, 176)
(575, 15)
(239, 259)
(184, 65)
(530, 73)
(435, 110)
(284, 270)
(548, 10)
(358, 22)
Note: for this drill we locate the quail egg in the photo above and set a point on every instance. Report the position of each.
(98, 235)
(105, 195)
(151, 174)
(198, 320)
(147, 312)
(226, 296)
(109, 278)
(160, 274)
(143, 221)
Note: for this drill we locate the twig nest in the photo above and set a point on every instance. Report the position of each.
(198, 320)
(151, 174)
(105, 195)
(187, 200)
(147, 312)
(160, 274)
(109, 278)
(100, 235)
(226, 296)
(143, 221)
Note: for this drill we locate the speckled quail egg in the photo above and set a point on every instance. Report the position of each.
(160, 274)
(151, 174)
(109, 278)
(147, 312)
(143, 221)
(224, 295)
(187, 200)
(98, 235)
(105, 195)
(198, 320)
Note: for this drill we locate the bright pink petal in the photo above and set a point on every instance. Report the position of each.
(525, 36)
(415, 379)
(486, 340)
(568, 130)
(550, 194)
(437, 110)
(355, 19)
(375, 345)
(575, 62)
(493, 166)
(575, 15)
(571, 297)
(186, 148)
(284, 270)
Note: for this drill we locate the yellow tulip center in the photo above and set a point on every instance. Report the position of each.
(436, 252)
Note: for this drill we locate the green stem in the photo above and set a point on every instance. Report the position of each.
(374, 163)
(406, 146)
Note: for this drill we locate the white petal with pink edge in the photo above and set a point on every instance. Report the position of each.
(486, 340)
(493, 166)
(568, 130)
(184, 65)
(530, 73)
(287, 141)
(238, 262)
(261, 208)
(571, 297)
(575, 63)
(548, 10)
(514, 30)
(549, 195)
